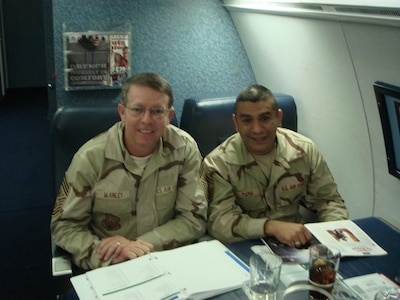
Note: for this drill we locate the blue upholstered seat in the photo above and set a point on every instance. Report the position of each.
(209, 118)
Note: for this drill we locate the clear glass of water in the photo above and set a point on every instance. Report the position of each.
(265, 271)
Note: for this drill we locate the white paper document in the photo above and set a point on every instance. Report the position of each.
(197, 271)
(366, 286)
(345, 235)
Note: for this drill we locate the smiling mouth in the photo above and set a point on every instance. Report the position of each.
(258, 139)
(145, 131)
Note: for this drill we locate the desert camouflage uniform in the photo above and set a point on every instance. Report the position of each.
(103, 195)
(242, 199)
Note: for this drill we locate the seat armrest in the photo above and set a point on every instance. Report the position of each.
(61, 269)
(61, 261)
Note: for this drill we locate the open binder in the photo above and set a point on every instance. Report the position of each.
(196, 271)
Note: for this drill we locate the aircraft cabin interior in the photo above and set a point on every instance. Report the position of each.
(332, 65)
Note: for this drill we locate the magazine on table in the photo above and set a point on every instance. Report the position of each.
(288, 254)
(345, 235)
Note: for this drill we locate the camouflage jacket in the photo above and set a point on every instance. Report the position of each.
(103, 195)
(242, 199)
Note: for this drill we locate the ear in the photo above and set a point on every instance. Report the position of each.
(234, 119)
(121, 112)
(171, 113)
(280, 116)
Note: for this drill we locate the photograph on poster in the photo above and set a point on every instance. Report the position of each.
(119, 60)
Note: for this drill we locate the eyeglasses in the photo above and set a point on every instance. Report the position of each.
(155, 112)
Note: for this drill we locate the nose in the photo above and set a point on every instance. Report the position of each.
(257, 127)
(146, 117)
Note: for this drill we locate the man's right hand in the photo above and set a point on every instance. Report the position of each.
(291, 234)
(122, 249)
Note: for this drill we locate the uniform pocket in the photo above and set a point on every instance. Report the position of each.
(165, 202)
(250, 200)
(290, 189)
(110, 208)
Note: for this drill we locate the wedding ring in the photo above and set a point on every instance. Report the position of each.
(297, 244)
(118, 244)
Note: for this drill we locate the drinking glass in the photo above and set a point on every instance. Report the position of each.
(324, 265)
(265, 271)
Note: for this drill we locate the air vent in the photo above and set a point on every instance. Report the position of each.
(363, 14)
(303, 6)
(379, 11)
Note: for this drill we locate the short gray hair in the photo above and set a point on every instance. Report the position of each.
(255, 93)
(151, 80)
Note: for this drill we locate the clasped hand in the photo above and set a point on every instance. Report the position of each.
(120, 249)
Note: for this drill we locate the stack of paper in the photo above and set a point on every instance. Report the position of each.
(197, 271)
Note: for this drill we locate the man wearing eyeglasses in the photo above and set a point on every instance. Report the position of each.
(135, 188)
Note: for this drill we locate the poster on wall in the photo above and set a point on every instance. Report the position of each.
(96, 59)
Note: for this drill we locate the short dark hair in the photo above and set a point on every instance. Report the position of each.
(151, 80)
(255, 93)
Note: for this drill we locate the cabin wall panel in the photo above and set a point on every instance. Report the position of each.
(375, 51)
(193, 44)
(329, 68)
